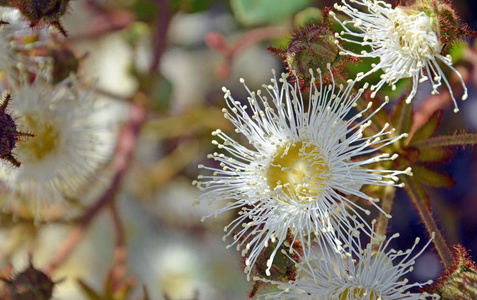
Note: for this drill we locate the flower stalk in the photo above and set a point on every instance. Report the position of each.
(418, 198)
(387, 201)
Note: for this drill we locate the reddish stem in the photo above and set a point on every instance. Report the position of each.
(124, 152)
(431, 225)
(118, 271)
(387, 202)
(215, 40)
(161, 34)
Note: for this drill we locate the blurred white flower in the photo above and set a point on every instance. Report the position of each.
(71, 143)
(405, 40)
(17, 38)
(370, 274)
(301, 169)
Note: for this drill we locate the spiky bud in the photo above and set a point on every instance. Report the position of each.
(44, 11)
(30, 284)
(459, 281)
(9, 134)
(313, 47)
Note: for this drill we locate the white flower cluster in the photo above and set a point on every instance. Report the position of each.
(301, 170)
(299, 173)
(372, 272)
(308, 159)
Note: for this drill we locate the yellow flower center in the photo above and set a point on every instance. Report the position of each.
(45, 141)
(300, 170)
(357, 293)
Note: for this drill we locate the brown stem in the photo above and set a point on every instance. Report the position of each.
(405, 120)
(458, 139)
(122, 159)
(247, 39)
(161, 34)
(102, 92)
(418, 197)
(256, 36)
(120, 253)
(387, 201)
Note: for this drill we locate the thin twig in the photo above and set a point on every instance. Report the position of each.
(425, 212)
(161, 34)
(246, 40)
(255, 36)
(387, 201)
(118, 271)
(458, 139)
(122, 159)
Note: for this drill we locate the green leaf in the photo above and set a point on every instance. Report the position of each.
(191, 6)
(161, 94)
(458, 48)
(307, 16)
(431, 177)
(88, 291)
(434, 154)
(428, 129)
(402, 116)
(145, 10)
(258, 12)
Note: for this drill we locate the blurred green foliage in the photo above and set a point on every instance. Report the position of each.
(259, 12)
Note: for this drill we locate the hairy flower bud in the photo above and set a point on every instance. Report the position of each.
(30, 284)
(459, 281)
(313, 47)
(8, 133)
(45, 11)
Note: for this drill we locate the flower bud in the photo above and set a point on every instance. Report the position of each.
(30, 284)
(459, 281)
(313, 47)
(8, 133)
(46, 11)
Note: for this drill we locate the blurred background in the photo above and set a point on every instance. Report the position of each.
(204, 45)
